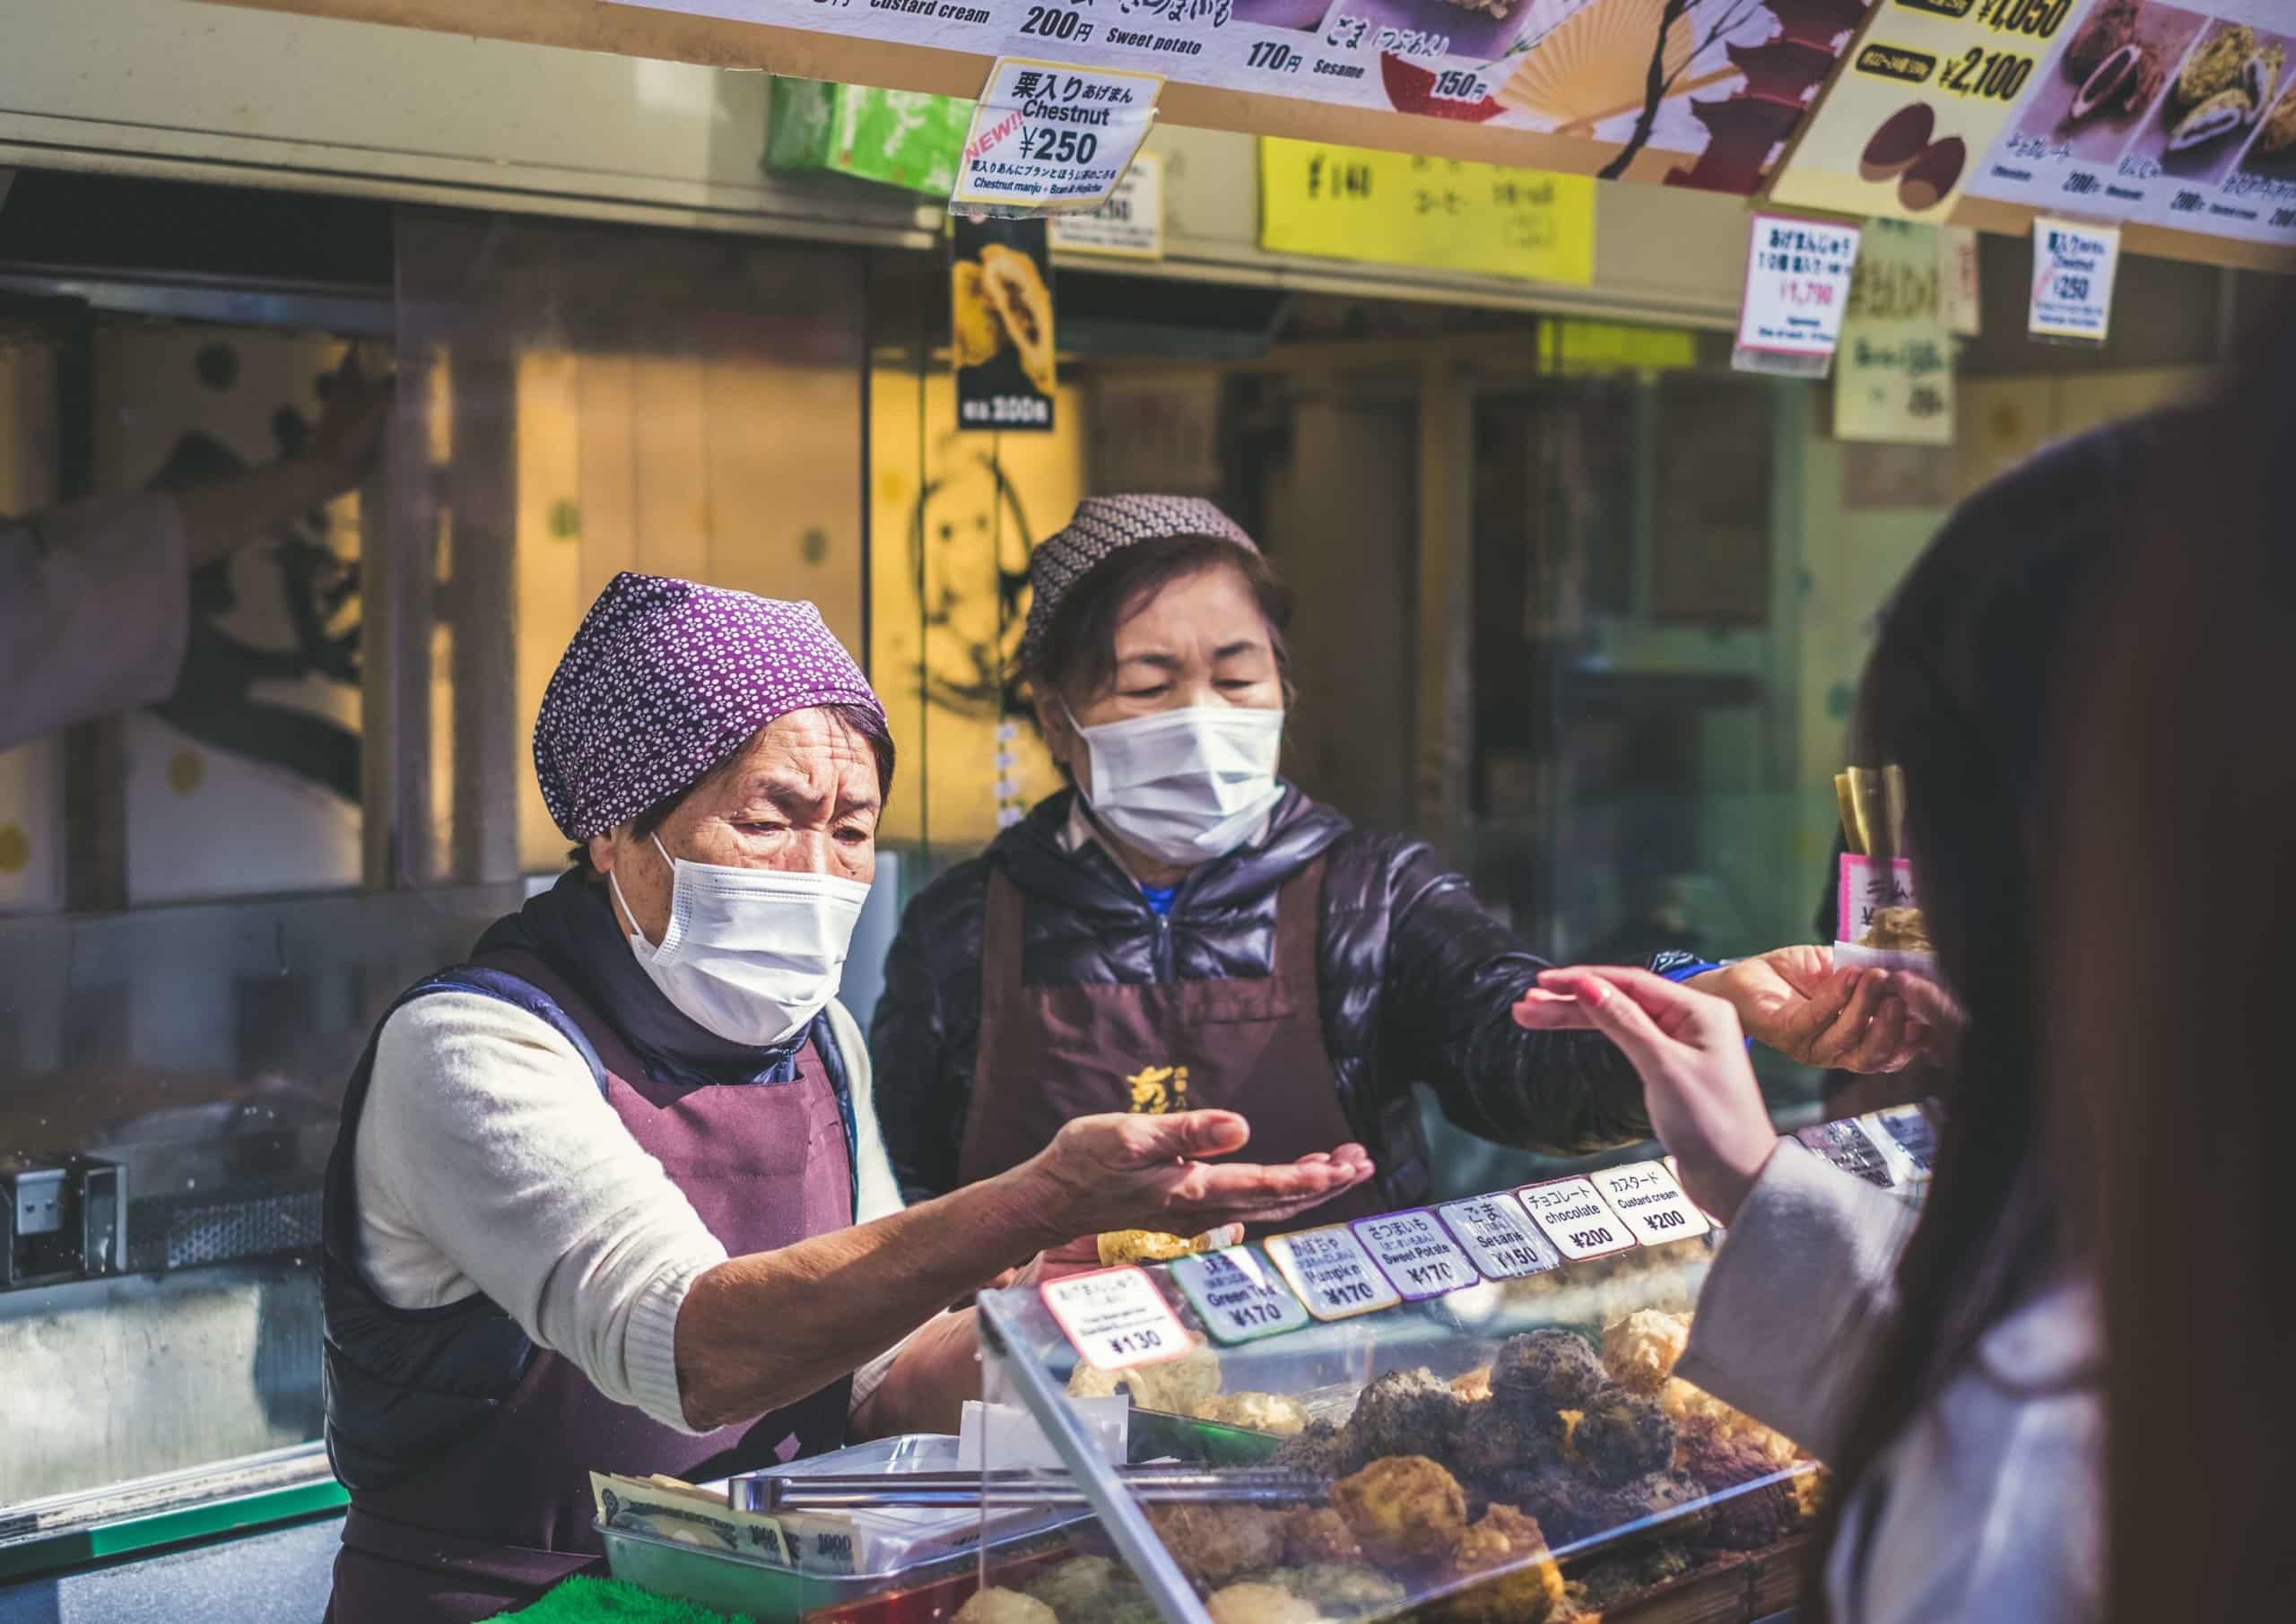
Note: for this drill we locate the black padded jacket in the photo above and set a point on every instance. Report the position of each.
(1415, 981)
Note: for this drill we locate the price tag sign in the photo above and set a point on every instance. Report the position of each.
(1417, 1256)
(1130, 225)
(1850, 1148)
(1652, 1205)
(1116, 1318)
(1499, 1237)
(2073, 280)
(1906, 1137)
(1572, 1214)
(1332, 1272)
(1236, 1296)
(1046, 137)
(1798, 285)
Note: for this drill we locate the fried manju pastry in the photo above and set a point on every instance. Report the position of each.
(1525, 1586)
(1257, 1412)
(1317, 1535)
(1751, 1518)
(1639, 1351)
(1545, 1372)
(1340, 1590)
(1622, 1435)
(1408, 1413)
(1213, 1544)
(1403, 1510)
(1260, 1604)
(994, 1605)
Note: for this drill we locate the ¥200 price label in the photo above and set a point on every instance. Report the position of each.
(1499, 1237)
(1116, 1318)
(1416, 1253)
(1334, 1275)
(1649, 1203)
(1239, 1297)
(1572, 1214)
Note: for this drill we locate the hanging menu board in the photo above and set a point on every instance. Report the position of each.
(1691, 93)
(2178, 116)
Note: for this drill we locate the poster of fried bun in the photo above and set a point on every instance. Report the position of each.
(2110, 79)
(1000, 325)
(2211, 104)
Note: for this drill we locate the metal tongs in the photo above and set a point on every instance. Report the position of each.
(768, 1493)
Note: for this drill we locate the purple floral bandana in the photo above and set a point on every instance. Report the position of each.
(666, 679)
(1103, 526)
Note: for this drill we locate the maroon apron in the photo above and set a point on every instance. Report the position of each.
(507, 1513)
(1254, 1046)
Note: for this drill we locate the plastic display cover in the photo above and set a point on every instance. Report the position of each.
(1516, 1448)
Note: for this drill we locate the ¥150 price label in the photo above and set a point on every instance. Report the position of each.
(1116, 1318)
(1416, 1253)
(1236, 1296)
(1334, 1275)
(1499, 1237)
(1572, 1214)
(1649, 1203)
(1048, 137)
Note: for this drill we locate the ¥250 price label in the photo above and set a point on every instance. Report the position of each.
(1334, 1275)
(1048, 137)
(1116, 1318)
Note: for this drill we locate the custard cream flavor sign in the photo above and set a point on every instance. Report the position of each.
(1694, 92)
(2181, 115)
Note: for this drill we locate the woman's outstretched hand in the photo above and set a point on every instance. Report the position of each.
(1696, 1083)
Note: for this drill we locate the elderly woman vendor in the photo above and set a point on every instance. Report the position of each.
(611, 1195)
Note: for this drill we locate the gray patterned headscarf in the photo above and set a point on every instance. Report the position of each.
(665, 679)
(1102, 528)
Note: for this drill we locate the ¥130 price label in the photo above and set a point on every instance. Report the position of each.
(1116, 1318)
(1499, 1237)
(1650, 1201)
(1416, 1253)
(1572, 1214)
(1049, 138)
(1332, 1272)
(1238, 1297)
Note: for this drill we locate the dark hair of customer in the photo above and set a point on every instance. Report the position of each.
(1077, 654)
(2173, 886)
(1961, 691)
(860, 718)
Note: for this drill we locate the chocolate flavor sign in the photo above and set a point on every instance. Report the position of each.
(1691, 92)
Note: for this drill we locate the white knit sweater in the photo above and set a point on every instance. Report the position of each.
(487, 1162)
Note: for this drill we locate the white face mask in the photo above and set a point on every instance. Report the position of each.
(751, 954)
(1185, 786)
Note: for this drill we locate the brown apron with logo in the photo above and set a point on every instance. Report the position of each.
(507, 1513)
(1254, 1046)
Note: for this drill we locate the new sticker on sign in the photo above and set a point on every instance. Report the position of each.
(1046, 137)
(2073, 281)
(1797, 286)
(1116, 1318)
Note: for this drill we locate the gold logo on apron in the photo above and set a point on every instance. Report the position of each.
(1157, 1089)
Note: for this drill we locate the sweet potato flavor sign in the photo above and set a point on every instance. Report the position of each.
(1688, 92)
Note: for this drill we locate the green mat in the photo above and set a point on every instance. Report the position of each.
(587, 1600)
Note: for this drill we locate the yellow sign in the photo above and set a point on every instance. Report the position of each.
(1392, 208)
(1570, 346)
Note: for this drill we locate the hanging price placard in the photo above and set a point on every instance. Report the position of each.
(1046, 137)
(2073, 281)
(1797, 286)
(1116, 1318)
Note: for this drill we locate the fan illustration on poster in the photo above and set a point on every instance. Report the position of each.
(246, 778)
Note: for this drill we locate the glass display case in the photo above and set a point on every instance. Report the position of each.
(1464, 1412)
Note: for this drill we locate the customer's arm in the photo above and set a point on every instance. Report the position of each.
(486, 1161)
(1803, 1284)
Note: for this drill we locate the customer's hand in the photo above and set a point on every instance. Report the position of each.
(1796, 999)
(1696, 1083)
(1141, 1172)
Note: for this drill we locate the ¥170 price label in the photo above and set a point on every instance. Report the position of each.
(1239, 1296)
(1333, 1274)
(1116, 1318)
(1417, 1254)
